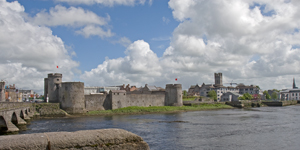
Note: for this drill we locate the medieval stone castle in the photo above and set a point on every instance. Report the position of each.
(72, 99)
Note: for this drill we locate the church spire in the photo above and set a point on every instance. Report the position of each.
(294, 84)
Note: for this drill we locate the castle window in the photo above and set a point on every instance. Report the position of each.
(118, 93)
(124, 93)
(57, 79)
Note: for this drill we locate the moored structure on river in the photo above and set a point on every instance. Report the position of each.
(72, 99)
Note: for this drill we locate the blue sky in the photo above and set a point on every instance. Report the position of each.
(138, 42)
(141, 22)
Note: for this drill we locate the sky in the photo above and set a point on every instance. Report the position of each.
(138, 42)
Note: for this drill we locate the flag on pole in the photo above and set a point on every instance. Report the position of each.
(175, 79)
(56, 66)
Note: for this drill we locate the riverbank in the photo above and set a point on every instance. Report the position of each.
(160, 109)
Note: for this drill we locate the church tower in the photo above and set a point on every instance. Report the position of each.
(294, 84)
(218, 79)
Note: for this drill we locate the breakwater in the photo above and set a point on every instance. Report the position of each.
(117, 139)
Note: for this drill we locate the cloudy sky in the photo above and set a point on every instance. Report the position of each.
(137, 42)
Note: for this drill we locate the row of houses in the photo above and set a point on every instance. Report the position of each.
(224, 93)
(232, 93)
(146, 89)
(10, 93)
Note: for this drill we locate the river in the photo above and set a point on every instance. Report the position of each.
(259, 128)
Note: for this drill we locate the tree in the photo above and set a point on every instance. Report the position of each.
(258, 87)
(248, 96)
(274, 95)
(241, 98)
(212, 94)
(267, 95)
(184, 93)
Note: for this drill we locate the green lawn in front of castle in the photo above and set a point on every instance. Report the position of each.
(189, 98)
(159, 109)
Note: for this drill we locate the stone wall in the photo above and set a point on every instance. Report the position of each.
(97, 102)
(146, 100)
(117, 139)
(13, 105)
(122, 99)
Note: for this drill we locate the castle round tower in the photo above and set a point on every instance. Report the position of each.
(173, 95)
(71, 96)
(54, 83)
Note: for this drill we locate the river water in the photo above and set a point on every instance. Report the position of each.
(259, 128)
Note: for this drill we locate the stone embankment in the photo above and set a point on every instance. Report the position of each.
(49, 110)
(86, 139)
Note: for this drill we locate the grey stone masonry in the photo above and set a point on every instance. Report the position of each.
(173, 96)
(2, 91)
(54, 83)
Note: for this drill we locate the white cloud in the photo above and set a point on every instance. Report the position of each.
(165, 20)
(29, 52)
(91, 30)
(222, 36)
(124, 41)
(105, 2)
(74, 17)
(140, 64)
(60, 15)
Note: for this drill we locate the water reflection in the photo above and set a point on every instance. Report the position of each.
(259, 128)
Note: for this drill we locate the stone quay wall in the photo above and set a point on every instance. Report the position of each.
(97, 102)
(117, 139)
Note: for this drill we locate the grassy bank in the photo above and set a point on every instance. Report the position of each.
(159, 109)
(189, 98)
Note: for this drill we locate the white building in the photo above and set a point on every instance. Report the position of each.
(290, 94)
(97, 89)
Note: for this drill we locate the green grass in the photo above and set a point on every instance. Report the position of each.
(156, 109)
(189, 98)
